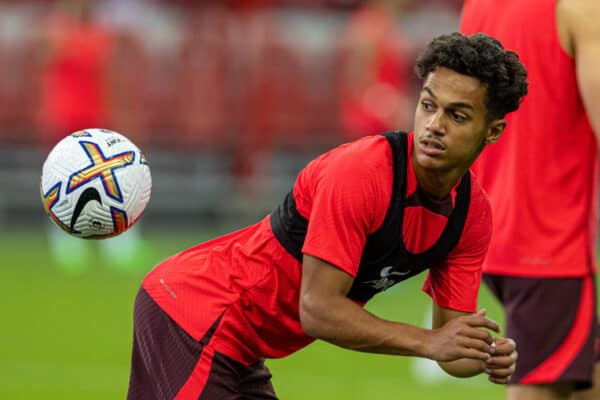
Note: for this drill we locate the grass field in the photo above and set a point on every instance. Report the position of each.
(68, 335)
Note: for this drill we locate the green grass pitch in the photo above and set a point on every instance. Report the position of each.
(68, 336)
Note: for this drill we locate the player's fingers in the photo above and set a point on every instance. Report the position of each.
(474, 354)
(502, 361)
(477, 333)
(479, 321)
(500, 373)
(476, 344)
(505, 346)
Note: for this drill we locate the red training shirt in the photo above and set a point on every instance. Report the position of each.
(250, 280)
(541, 175)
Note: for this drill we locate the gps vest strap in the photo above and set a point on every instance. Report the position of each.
(385, 260)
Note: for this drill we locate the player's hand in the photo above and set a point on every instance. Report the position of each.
(463, 337)
(501, 366)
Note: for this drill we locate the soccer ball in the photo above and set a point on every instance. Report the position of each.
(95, 184)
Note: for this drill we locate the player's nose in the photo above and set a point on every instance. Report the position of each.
(435, 122)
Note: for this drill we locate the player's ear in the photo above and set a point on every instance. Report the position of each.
(495, 129)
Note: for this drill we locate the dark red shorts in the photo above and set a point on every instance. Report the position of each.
(167, 363)
(554, 323)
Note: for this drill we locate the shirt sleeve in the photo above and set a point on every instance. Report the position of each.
(348, 195)
(455, 282)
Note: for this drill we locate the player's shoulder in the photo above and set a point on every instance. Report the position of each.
(578, 17)
(579, 8)
(367, 144)
(365, 162)
(478, 225)
(477, 190)
(480, 201)
(367, 152)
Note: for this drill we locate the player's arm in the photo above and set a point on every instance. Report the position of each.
(326, 313)
(500, 366)
(580, 36)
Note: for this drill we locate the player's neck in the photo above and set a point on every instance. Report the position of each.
(436, 183)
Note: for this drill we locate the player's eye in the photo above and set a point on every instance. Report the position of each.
(457, 117)
(427, 106)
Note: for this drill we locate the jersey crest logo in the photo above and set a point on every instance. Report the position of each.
(386, 274)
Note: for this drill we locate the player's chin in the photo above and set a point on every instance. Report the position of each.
(426, 161)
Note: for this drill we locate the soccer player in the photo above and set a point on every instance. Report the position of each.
(542, 182)
(359, 219)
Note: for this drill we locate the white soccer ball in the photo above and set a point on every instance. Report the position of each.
(95, 184)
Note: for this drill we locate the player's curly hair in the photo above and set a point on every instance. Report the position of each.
(484, 58)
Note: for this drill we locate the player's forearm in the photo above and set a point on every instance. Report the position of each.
(327, 313)
(352, 327)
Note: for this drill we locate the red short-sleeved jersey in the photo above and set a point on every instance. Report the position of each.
(251, 279)
(541, 176)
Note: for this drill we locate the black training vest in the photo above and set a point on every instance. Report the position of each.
(385, 260)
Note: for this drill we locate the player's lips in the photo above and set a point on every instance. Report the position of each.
(431, 146)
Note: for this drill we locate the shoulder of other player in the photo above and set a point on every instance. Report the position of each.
(577, 23)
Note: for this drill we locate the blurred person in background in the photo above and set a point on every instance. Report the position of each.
(126, 72)
(542, 259)
(359, 219)
(255, 70)
(375, 82)
(202, 97)
(75, 56)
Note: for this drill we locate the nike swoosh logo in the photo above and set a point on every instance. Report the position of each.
(89, 194)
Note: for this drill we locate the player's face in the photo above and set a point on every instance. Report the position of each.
(450, 122)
